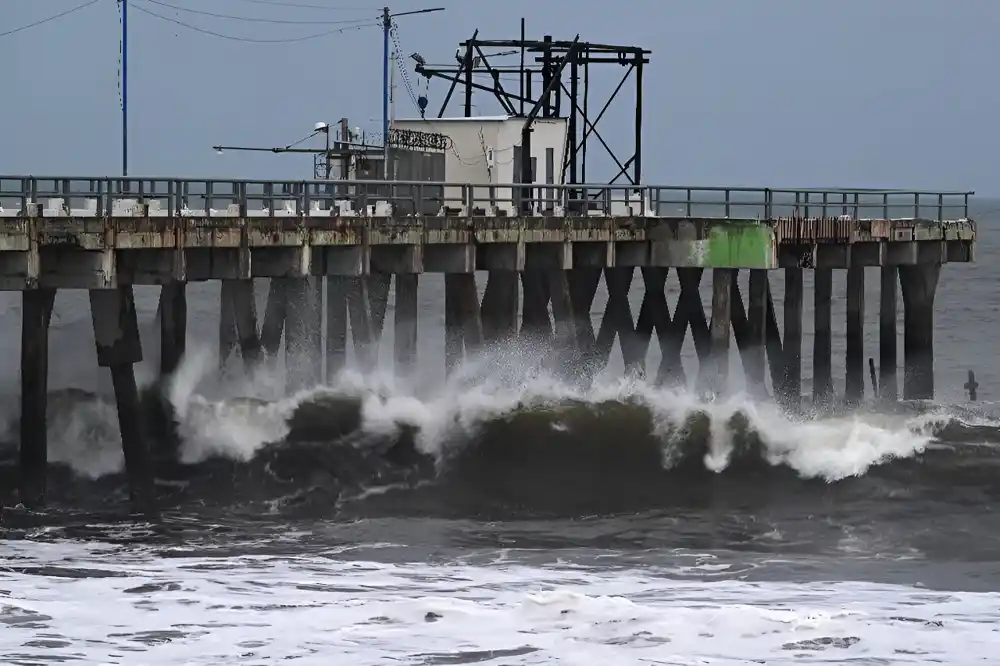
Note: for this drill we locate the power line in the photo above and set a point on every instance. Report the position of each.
(299, 5)
(251, 40)
(250, 19)
(50, 18)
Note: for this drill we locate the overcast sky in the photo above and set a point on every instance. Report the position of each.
(877, 93)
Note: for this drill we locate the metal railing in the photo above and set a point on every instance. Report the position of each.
(186, 196)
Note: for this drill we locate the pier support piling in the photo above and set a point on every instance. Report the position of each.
(452, 323)
(301, 362)
(887, 353)
(722, 280)
(500, 306)
(116, 334)
(336, 325)
(362, 327)
(823, 338)
(566, 337)
(173, 326)
(275, 310)
(854, 360)
(239, 296)
(228, 335)
(405, 323)
(919, 284)
(757, 329)
(536, 325)
(36, 313)
(791, 385)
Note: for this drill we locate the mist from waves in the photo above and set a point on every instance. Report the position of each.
(505, 390)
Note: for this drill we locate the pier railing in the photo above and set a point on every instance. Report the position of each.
(179, 197)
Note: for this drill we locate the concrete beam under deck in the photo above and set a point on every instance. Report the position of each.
(93, 252)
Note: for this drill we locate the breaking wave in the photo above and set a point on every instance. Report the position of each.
(498, 428)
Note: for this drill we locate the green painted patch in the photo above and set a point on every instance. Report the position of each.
(740, 245)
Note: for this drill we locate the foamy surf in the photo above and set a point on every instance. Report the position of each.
(169, 607)
(238, 417)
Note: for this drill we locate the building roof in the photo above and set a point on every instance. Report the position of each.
(478, 119)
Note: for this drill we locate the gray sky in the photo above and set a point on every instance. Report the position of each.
(875, 93)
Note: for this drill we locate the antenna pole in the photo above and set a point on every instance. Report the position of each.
(386, 19)
(124, 8)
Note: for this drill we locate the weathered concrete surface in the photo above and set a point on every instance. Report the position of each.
(100, 253)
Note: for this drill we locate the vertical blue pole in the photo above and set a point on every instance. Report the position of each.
(385, 90)
(124, 4)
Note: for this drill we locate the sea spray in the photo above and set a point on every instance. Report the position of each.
(237, 416)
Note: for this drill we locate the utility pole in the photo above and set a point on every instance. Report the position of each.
(387, 17)
(124, 13)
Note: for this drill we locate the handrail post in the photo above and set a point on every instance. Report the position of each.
(916, 205)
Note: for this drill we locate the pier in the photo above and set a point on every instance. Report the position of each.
(332, 249)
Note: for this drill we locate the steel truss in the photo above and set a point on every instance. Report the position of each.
(560, 72)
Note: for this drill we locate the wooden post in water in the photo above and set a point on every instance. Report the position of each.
(173, 326)
(116, 334)
(791, 389)
(452, 323)
(823, 339)
(36, 313)
(919, 284)
(721, 292)
(854, 382)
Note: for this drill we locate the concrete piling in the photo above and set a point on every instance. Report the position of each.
(336, 325)
(854, 360)
(919, 284)
(452, 323)
(275, 310)
(500, 306)
(302, 365)
(405, 323)
(228, 335)
(36, 313)
(722, 280)
(757, 328)
(362, 327)
(239, 296)
(116, 334)
(887, 354)
(791, 386)
(173, 326)
(823, 337)
(566, 336)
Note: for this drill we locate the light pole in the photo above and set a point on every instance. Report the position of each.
(123, 5)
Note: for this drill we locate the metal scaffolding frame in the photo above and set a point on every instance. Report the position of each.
(561, 72)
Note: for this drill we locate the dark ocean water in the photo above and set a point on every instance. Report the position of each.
(503, 517)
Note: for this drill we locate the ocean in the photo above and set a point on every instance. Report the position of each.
(505, 517)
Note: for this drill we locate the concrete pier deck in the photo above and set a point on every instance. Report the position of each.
(99, 233)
